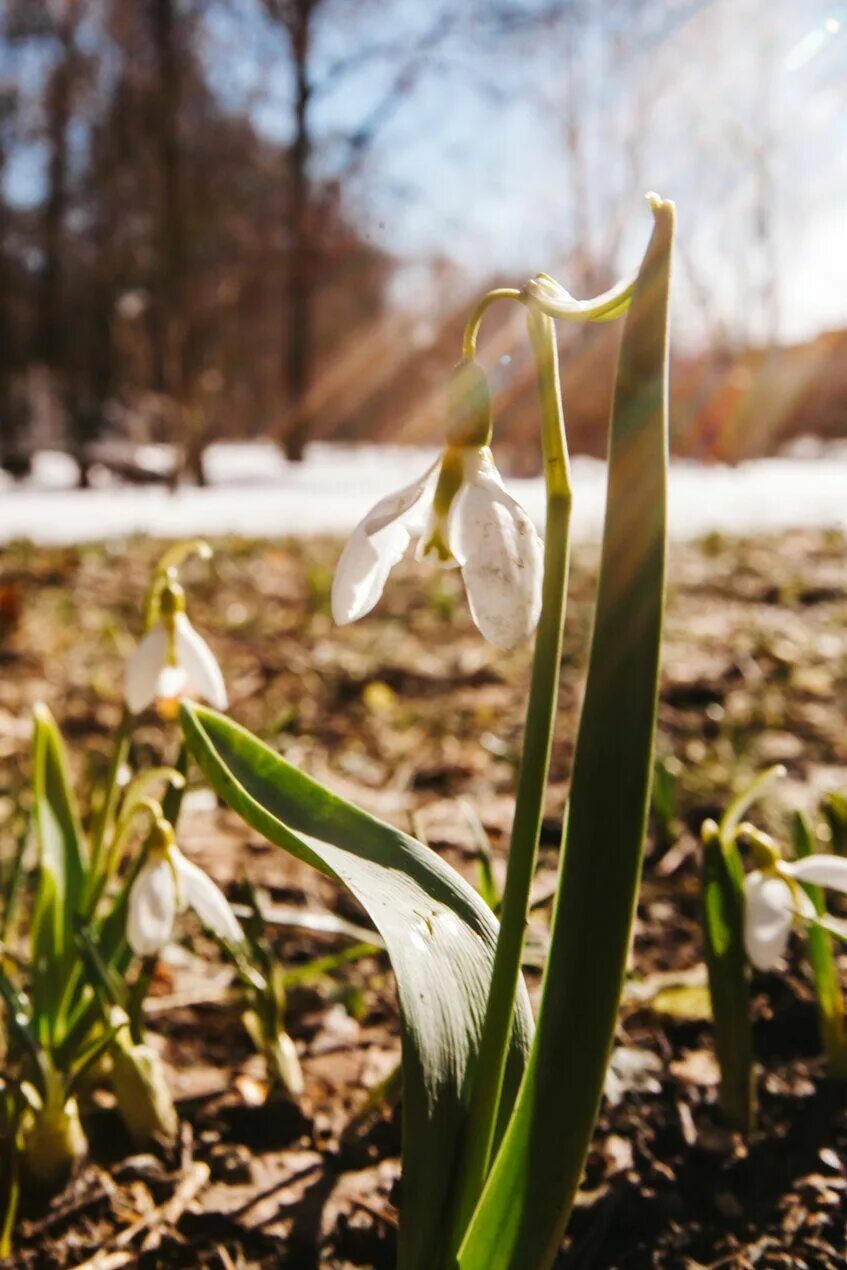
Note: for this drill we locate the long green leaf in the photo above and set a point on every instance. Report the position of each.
(729, 976)
(828, 990)
(521, 1216)
(439, 934)
(62, 866)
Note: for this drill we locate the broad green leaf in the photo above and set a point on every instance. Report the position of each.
(62, 865)
(439, 934)
(521, 1215)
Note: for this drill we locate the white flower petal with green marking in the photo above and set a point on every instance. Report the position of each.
(171, 684)
(152, 907)
(199, 892)
(157, 673)
(768, 914)
(820, 870)
(168, 884)
(377, 543)
(479, 527)
(195, 657)
(144, 668)
(501, 557)
(772, 903)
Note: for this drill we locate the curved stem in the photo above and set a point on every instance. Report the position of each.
(532, 781)
(475, 319)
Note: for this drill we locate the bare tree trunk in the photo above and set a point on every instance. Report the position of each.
(185, 434)
(51, 342)
(12, 456)
(58, 106)
(298, 351)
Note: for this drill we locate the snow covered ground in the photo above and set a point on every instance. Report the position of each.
(253, 491)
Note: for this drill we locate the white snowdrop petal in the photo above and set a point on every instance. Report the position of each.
(502, 559)
(198, 891)
(402, 504)
(203, 674)
(768, 914)
(151, 910)
(361, 574)
(821, 870)
(377, 543)
(171, 684)
(144, 667)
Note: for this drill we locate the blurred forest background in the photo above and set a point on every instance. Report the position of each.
(233, 219)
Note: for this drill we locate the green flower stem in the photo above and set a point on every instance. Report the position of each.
(828, 990)
(475, 320)
(105, 815)
(532, 780)
(11, 1191)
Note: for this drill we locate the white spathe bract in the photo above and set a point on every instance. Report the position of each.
(168, 884)
(772, 902)
(486, 533)
(160, 672)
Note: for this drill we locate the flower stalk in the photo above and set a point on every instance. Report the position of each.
(529, 1192)
(532, 779)
(106, 813)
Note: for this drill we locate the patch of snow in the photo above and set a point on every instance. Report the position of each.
(254, 491)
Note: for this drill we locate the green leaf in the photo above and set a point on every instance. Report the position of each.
(12, 878)
(828, 991)
(521, 1216)
(62, 867)
(726, 961)
(439, 934)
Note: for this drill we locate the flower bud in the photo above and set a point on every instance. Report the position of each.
(141, 1090)
(468, 406)
(278, 1051)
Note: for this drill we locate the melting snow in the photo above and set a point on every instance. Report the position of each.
(253, 491)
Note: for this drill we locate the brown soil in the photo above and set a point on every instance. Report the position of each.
(406, 713)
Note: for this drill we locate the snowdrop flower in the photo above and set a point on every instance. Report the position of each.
(172, 661)
(462, 517)
(168, 884)
(774, 898)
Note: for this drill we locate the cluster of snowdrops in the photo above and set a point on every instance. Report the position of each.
(491, 1096)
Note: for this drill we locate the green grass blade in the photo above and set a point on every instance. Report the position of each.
(62, 867)
(729, 986)
(439, 934)
(12, 878)
(520, 1218)
(828, 991)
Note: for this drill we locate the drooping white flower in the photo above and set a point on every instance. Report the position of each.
(168, 884)
(463, 517)
(172, 661)
(773, 900)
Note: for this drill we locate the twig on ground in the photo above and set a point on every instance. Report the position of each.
(167, 1214)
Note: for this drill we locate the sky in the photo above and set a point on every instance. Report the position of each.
(723, 106)
(734, 108)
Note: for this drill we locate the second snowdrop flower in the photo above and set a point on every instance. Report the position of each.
(462, 517)
(774, 899)
(173, 661)
(168, 884)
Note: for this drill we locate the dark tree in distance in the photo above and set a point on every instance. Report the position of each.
(297, 19)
